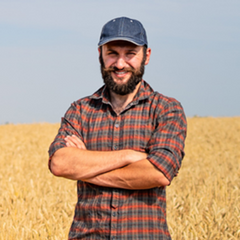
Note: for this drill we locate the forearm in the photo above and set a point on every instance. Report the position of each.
(74, 163)
(138, 175)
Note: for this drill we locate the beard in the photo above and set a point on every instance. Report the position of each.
(122, 89)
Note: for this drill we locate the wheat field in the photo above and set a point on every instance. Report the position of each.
(203, 202)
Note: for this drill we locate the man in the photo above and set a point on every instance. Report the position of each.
(124, 144)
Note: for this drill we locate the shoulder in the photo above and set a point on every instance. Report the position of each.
(163, 107)
(158, 98)
(161, 102)
(165, 101)
(88, 101)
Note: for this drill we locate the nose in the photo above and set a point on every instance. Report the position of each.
(120, 63)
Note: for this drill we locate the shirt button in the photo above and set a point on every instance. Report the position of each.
(115, 147)
(114, 214)
(116, 125)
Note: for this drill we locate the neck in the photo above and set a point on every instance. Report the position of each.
(120, 102)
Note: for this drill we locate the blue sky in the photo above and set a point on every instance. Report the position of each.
(49, 58)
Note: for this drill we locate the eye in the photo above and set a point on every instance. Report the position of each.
(112, 53)
(131, 53)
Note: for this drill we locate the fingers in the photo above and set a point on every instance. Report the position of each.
(74, 141)
(137, 156)
(69, 143)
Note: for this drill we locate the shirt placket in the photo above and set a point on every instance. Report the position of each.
(115, 192)
(114, 213)
(116, 129)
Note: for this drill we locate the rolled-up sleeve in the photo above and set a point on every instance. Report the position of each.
(70, 124)
(166, 146)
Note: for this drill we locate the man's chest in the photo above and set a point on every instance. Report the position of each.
(105, 131)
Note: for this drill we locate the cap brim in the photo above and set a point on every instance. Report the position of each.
(101, 43)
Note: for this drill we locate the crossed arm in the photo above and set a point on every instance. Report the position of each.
(126, 169)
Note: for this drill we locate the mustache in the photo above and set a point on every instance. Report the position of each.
(113, 69)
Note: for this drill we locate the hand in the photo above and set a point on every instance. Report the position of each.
(74, 141)
(141, 155)
(135, 156)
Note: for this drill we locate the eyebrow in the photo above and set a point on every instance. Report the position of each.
(111, 50)
(128, 50)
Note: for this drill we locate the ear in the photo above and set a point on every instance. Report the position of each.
(148, 54)
(99, 53)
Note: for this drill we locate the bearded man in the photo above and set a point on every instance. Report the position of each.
(124, 144)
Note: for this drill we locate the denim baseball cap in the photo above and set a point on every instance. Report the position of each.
(125, 29)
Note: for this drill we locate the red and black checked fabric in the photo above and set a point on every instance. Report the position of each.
(152, 123)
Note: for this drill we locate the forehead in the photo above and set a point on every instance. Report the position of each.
(121, 44)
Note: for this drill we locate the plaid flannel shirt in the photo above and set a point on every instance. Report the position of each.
(151, 123)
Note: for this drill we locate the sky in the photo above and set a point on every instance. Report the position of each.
(49, 57)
